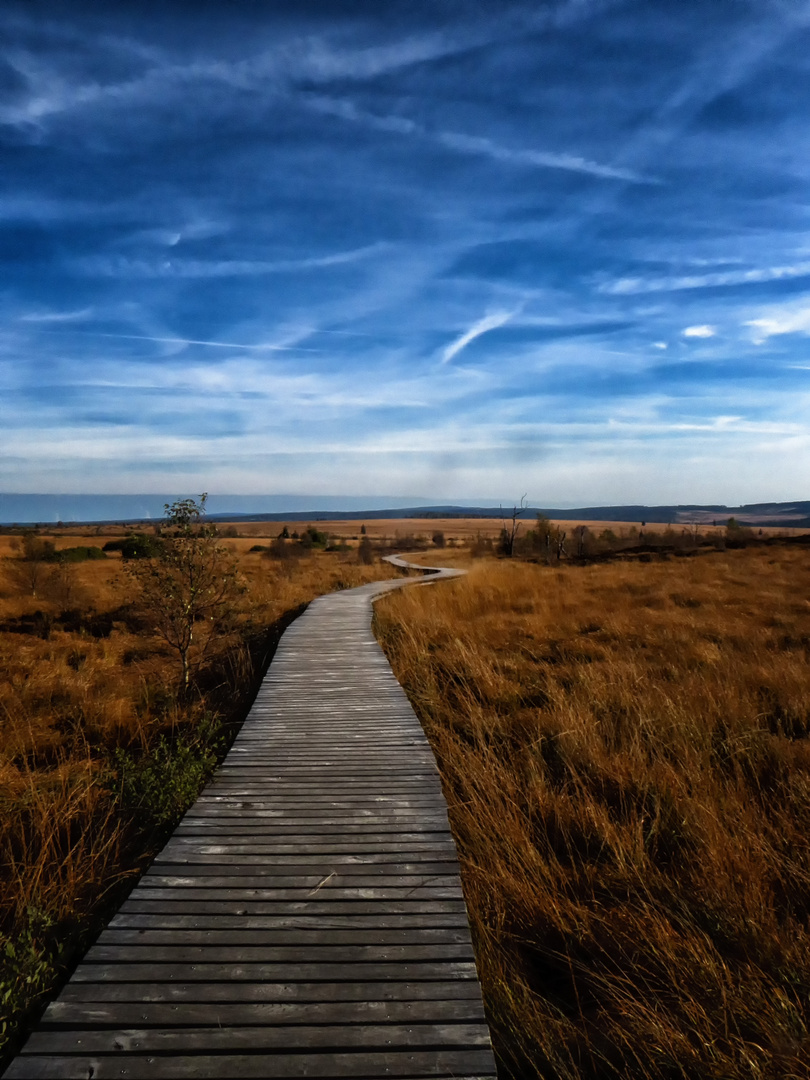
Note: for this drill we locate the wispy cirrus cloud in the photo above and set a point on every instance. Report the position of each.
(57, 316)
(634, 285)
(122, 266)
(158, 340)
(482, 326)
(473, 144)
(320, 58)
(477, 145)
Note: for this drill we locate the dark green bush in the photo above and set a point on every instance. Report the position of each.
(161, 785)
(77, 554)
(136, 546)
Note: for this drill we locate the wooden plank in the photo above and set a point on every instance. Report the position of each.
(200, 878)
(458, 1064)
(381, 816)
(418, 829)
(187, 846)
(298, 954)
(312, 906)
(336, 785)
(419, 801)
(254, 936)
(239, 872)
(257, 972)
(291, 924)
(230, 1014)
(237, 868)
(218, 1040)
(367, 862)
(295, 992)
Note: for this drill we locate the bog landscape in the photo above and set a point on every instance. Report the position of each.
(620, 719)
(463, 731)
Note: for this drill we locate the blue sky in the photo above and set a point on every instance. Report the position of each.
(455, 249)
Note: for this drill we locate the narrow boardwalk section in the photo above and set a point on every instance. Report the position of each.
(306, 918)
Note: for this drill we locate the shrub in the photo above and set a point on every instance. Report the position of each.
(78, 554)
(314, 538)
(159, 786)
(365, 552)
(136, 546)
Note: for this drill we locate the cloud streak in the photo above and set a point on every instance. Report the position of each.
(630, 286)
(264, 347)
(476, 145)
(121, 266)
(482, 326)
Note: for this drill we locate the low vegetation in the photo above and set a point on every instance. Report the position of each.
(625, 748)
(104, 744)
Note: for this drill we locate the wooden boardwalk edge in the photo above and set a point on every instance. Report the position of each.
(306, 917)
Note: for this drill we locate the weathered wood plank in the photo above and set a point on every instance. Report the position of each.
(266, 872)
(370, 862)
(255, 936)
(312, 907)
(181, 848)
(407, 892)
(458, 1064)
(259, 829)
(257, 972)
(301, 953)
(201, 878)
(296, 992)
(228, 1014)
(216, 1039)
(287, 924)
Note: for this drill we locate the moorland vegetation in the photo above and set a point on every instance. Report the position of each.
(620, 719)
(625, 750)
(123, 675)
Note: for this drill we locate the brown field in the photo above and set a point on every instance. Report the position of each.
(389, 529)
(462, 531)
(83, 681)
(625, 749)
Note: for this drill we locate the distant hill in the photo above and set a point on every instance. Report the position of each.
(792, 515)
(49, 509)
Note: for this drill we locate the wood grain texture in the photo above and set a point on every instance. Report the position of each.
(306, 918)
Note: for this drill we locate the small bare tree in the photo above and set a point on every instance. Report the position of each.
(510, 527)
(189, 588)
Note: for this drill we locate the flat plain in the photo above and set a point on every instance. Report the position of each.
(625, 749)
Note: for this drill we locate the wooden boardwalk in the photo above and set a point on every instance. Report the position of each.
(306, 917)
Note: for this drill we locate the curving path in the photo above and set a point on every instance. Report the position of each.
(306, 917)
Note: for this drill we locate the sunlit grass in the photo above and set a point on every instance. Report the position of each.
(625, 752)
(74, 819)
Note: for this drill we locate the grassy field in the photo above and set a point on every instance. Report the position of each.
(99, 753)
(625, 749)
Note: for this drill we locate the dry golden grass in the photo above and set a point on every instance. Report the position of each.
(626, 754)
(70, 702)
